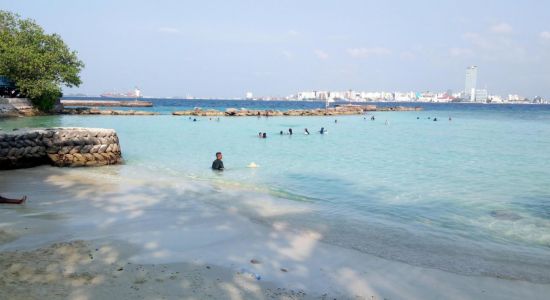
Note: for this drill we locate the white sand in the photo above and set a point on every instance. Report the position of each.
(95, 234)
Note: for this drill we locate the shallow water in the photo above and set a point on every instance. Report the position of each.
(469, 196)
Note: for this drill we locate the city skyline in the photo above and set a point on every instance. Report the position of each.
(278, 48)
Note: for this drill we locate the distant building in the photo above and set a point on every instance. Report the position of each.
(470, 83)
(249, 96)
(481, 95)
(306, 95)
(515, 98)
(496, 99)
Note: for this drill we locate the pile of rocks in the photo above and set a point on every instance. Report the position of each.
(60, 147)
(105, 112)
(338, 110)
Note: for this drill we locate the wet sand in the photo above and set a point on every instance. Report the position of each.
(101, 233)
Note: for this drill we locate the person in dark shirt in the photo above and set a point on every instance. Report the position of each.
(218, 163)
(290, 131)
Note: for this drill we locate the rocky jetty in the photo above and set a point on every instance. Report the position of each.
(60, 147)
(106, 112)
(333, 111)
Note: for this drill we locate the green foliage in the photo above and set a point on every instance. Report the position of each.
(37, 62)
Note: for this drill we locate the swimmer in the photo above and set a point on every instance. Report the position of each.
(259, 134)
(218, 163)
(372, 118)
(290, 131)
(306, 131)
(322, 131)
(435, 119)
(264, 135)
(281, 133)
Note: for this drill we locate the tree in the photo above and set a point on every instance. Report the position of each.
(38, 63)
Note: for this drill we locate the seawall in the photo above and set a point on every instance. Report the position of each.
(60, 147)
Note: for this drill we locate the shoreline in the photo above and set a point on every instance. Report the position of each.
(170, 223)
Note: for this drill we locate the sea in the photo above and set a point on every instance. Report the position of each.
(468, 193)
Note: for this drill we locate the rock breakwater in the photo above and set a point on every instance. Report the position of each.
(106, 112)
(333, 111)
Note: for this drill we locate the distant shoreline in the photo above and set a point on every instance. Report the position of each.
(93, 98)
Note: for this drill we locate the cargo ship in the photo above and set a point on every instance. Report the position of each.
(136, 93)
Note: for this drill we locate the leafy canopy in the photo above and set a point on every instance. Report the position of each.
(38, 63)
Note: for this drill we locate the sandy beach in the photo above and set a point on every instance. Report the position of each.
(99, 234)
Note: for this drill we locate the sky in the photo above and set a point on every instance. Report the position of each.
(223, 48)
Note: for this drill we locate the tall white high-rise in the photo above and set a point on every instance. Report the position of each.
(470, 84)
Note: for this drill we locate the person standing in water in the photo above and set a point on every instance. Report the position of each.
(306, 131)
(322, 131)
(218, 163)
(290, 131)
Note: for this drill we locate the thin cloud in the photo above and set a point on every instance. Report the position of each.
(460, 52)
(477, 40)
(407, 55)
(495, 47)
(322, 55)
(287, 54)
(168, 30)
(368, 52)
(502, 28)
(545, 35)
(293, 32)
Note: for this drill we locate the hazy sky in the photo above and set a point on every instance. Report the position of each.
(225, 48)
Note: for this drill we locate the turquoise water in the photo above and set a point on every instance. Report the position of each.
(470, 196)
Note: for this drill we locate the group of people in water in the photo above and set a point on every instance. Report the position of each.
(435, 119)
(263, 135)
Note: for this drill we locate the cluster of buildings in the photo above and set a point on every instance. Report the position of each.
(471, 93)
